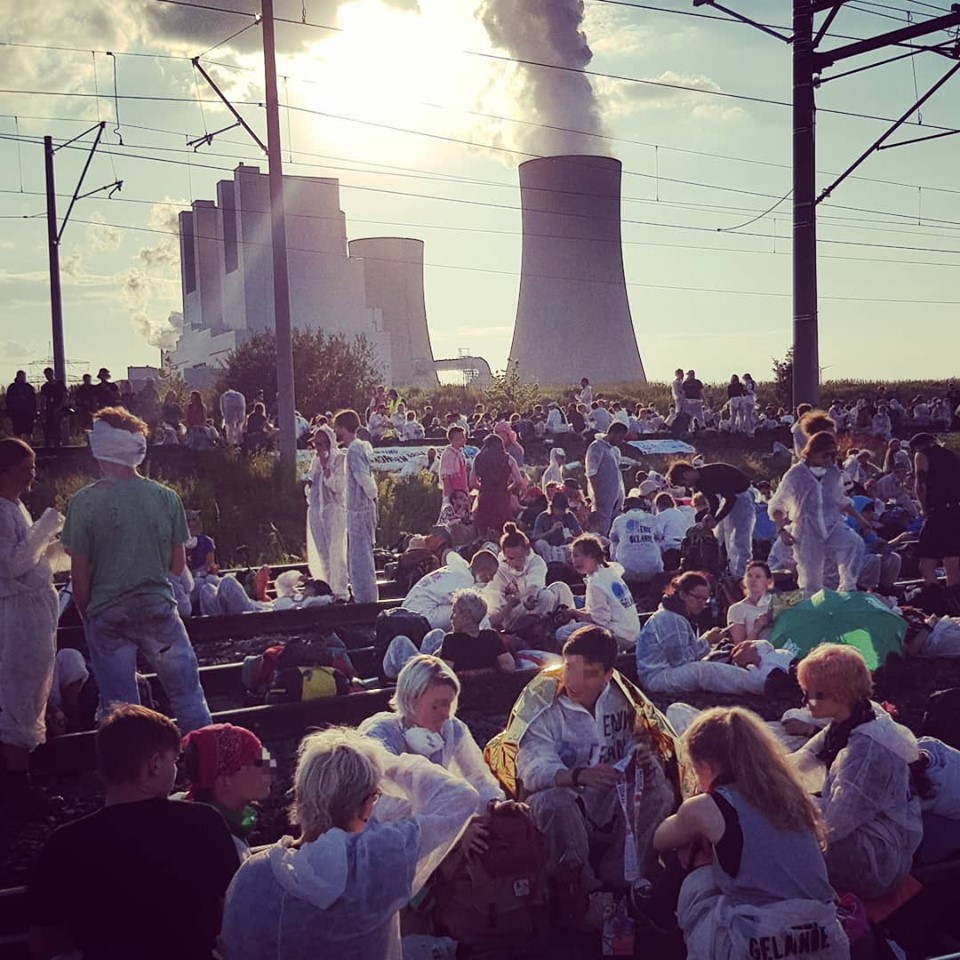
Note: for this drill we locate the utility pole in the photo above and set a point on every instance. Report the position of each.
(806, 351)
(53, 247)
(281, 282)
(808, 66)
(55, 235)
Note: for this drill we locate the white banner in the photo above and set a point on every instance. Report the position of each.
(661, 447)
(402, 460)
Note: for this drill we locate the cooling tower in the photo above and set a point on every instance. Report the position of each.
(393, 271)
(573, 316)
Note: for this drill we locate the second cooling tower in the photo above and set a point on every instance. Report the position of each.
(573, 316)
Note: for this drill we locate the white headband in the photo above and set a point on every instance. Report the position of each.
(113, 445)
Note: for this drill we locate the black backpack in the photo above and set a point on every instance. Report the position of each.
(700, 551)
(396, 623)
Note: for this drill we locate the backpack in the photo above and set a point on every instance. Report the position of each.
(700, 551)
(396, 623)
(495, 904)
(259, 672)
(413, 564)
(298, 684)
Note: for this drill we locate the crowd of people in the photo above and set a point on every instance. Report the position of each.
(758, 846)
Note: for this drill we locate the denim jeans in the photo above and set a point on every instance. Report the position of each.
(152, 626)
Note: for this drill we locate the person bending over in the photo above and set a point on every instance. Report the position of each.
(338, 888)
(432, 595)
(671, 657)
(752, 838)
(145, 876)
(732, 506)
(860, 765)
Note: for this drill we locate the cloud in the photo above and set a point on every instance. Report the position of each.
(668, 91)
(101, 237)
(14, 348)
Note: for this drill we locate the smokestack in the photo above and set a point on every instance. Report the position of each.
(573, 317)
(393, 281)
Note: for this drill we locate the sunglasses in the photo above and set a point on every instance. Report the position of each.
(815, 696)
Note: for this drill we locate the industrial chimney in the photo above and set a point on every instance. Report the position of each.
(573, 316)
(393, 272)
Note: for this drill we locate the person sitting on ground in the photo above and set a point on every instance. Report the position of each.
(930, 636)
(634, 541)
(423, 720)
(554, 529)
(519, 586)
(752, 617)
(229, 769)
(467, 646)
(293, 589)
(201, 551)
(567, 757)
(379, 424)
(338, 888)
(674, 524)
(258, 433)
(64, 711)
(608, 602)
(432, 595)
(751, 839)
(580, 504)
(411, 429)
(81, 897)
(860, 767)
(456, 516)
(672, 659)
(936, 776)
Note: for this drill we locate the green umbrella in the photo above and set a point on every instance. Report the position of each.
(855, 619)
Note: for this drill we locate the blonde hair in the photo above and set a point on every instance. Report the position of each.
(337, 769)
(122, 419)
(739, 747)
(471, 603)
(420, 673)
(840, 669)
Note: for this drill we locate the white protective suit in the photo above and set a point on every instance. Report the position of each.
(327, 519)
(943, 639)
(233, 409)
(554, 471)
(432, 595)
(610, 605)
(943, 771)
(634, 543)
(459, 753)
(670, 660)
(530, 584)
(361, 522)
(563, 737)
(823, 540)
(871, 820)
(340, 895)
(29, 612)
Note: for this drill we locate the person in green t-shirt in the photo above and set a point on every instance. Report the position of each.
(125, 535)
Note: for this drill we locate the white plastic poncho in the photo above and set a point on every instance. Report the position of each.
(29, 611)
(554, 471)
(339, 896)
(529, 582)
(943, 771)
(871, 821)
(361, 503)
(327, 518)
(611, 605)
(459, 752)
(432, 595)
(667, 640)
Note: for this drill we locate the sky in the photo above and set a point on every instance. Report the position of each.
(423, 110)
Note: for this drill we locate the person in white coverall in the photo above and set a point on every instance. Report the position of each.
(565, 764)
(233, 409)
(29, 611)
(519, 586)
(432, 595)
(810, 497)
(327, 513)
(361, 502)
(608, 602)
(635, 541)
(337, 890)
(670, 654)
(860, 767)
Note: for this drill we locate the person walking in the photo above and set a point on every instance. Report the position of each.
(125, 535)
(361, 505)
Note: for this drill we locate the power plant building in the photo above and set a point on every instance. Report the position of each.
(227, 278)
(573, 315)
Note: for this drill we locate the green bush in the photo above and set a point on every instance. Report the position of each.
(406, 505)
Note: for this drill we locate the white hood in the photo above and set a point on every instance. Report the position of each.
(890, 734)
(315, 872)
